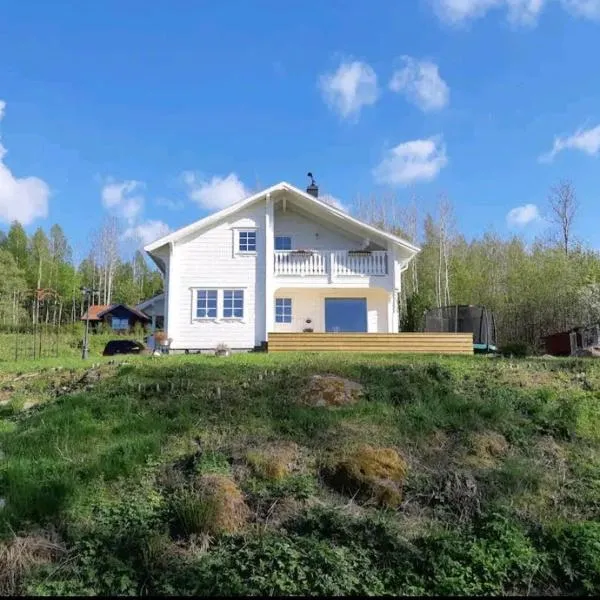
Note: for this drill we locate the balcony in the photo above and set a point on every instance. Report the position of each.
(331, 264)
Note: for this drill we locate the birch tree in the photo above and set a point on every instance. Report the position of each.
(562, 199)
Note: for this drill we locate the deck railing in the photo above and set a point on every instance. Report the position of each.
(335, 262)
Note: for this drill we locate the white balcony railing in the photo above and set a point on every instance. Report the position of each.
(335, 262)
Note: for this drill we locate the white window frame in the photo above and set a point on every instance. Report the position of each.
(291, 315)
(233, 317)
(236, 241)
(220, 290)
(195, 292)
(283, 235)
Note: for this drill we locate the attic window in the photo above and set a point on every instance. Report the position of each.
(247, 241)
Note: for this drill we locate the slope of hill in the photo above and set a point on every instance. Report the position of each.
(204, 475)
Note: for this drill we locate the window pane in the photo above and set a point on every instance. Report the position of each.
(283, 242)
(283, 310)
(206, 304)
(233, 303)
(247, 241)
(120, 324)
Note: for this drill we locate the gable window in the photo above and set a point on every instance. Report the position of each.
(283, 310)
(206, 304)
(233, 304)
(120, 324)
(247, 241)
(283, 242)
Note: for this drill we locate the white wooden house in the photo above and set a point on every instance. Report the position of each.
(282, 260)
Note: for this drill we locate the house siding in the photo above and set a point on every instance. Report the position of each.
(310, 304)
(309, 234)
(210, 261)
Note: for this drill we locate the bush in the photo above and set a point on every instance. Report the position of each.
(574, 549)
(515, 350)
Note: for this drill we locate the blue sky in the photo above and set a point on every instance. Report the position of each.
(159, 112)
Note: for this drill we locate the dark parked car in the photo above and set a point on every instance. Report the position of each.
(123, 347)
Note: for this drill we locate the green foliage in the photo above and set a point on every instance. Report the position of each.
(413, 317)
(515, 349)
(190, 514)
(574, 551)
(274, 564)
(111, 468)
(495, 556)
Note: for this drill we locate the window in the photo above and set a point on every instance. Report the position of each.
(283, 242)
(206, 304)
(120, 324)
(283, 310)
(233, 304)
(247, 241)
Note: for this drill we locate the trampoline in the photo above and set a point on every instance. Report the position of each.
(463, 318)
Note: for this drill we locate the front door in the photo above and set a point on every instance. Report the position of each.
(346, 315)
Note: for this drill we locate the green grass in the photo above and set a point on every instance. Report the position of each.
(106, 456)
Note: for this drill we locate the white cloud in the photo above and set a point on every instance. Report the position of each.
(335, 202)
(147, 232)
(523, 215)
(169, 204)
(584, 140)
(420, 82)
(123, 199)
(216, 193)
(589, 9)
(519, 11)
(348, 89)
(21, 199)
(458, 11)
(417, 160)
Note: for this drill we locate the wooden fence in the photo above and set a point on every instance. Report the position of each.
(407, 343)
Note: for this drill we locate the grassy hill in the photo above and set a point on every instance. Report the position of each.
(205, 475)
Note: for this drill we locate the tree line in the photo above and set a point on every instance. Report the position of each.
(41, 282)
(534, 289)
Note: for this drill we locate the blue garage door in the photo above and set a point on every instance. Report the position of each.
(346, 315)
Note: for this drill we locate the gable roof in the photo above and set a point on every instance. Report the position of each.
(92, 313)
(97, 312)
(146, 303)
(210, 220)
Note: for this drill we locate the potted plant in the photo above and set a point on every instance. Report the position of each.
(222, 350)
(359, 252)
(302, 252)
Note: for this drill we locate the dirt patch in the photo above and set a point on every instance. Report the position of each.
(331, 390)
(274, 461)
(370, 473)
(21, 554)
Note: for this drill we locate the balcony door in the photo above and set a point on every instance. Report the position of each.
(346, 315)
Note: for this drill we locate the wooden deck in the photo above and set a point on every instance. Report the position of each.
(407, 343)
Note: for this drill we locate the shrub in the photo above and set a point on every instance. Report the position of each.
(515, 349)
(574, 549)
(213, 504)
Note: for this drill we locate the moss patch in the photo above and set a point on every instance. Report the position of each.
(371, 473)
